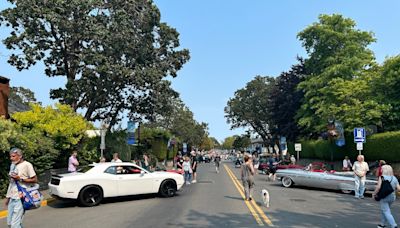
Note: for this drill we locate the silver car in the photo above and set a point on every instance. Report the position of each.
(343, 181)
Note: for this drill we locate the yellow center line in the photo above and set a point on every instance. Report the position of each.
(252, 211)
(259, 210)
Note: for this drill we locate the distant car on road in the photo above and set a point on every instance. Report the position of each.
(343, 181)
(206, 159)
(93, 183)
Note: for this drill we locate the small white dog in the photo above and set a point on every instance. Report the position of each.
(265, 197)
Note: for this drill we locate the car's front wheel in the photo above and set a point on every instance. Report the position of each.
(167, 188)
(287, 182)
(90, 196)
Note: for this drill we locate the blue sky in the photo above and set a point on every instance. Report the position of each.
(232, 41)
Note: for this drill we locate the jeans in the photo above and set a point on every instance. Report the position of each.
(359, 186)
(188, 177)
(386, 215)
(15, 213)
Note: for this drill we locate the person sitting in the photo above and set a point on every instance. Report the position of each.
(347, 164)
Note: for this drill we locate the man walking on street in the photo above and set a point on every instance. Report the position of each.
(360, 168)
(23, 172)
(73, 162)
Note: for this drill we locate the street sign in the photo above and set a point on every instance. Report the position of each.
(359, 146)
(359, 135)
(184, 147)
(297, 146)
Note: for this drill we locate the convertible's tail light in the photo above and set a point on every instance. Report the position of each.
(55, 181)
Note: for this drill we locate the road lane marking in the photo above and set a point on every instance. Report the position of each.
(252, 211)
(259, 210)
(44, 203)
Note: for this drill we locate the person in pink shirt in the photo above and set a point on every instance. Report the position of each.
(73, 162)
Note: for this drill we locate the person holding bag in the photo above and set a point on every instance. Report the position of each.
(385, 193)
(22, 175)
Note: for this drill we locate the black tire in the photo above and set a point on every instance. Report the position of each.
(167, 188)
(287, 182)
(90, 196)
(346, 191)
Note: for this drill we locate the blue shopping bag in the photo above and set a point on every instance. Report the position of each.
(31, 197)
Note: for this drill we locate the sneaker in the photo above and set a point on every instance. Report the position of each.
(361, 197)
(381, 226)
(194, 181)
(188, 183)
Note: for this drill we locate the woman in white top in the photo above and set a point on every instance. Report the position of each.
(188, 170)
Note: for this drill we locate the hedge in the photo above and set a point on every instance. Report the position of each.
(384, 146)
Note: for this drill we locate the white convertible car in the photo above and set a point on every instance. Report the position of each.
(93, 183)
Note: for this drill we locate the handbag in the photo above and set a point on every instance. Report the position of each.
(31, 197)
(385, 190)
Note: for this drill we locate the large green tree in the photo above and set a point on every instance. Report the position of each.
(250, 108)
(387, 90)
(180, 122)
(241, 142)
(339, 64)
(228, 142)
(286, 100)
(115, 55)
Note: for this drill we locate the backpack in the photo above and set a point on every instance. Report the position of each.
(385, 190)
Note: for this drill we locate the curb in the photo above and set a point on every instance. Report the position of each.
(4, 213)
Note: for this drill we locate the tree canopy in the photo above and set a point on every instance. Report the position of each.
(115, 55)
(250, 107)
(340, 66)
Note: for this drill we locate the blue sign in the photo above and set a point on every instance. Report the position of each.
(359, 135)
(131, 126)
(131, 133)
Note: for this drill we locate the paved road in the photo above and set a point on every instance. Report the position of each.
(216, 202)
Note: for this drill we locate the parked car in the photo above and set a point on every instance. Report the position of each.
(93, 183)
(343, 181)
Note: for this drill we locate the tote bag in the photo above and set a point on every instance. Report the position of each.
(385, 190)
(31, 197)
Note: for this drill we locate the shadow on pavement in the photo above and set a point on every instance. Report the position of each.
(236, 198)
(74, 203)
(199, 219)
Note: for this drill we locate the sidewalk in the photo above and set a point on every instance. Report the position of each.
(46, 199)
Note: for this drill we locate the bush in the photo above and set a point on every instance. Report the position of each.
(60, 123)
(38, 149)
(384, 146)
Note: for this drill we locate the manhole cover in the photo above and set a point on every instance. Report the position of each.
(298, 200)
(205, 181)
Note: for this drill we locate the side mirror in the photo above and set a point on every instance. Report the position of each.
(142, 173)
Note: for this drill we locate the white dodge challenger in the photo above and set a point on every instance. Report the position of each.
(97, 181)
